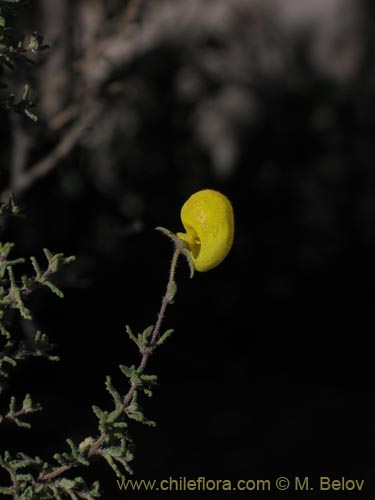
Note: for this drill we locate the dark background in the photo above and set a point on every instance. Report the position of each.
(269, 371)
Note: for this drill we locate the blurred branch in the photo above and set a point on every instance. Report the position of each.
(116, 45)
(54, 75)
(113, 42)
(21, 143)
(66, 144)
(62, 118)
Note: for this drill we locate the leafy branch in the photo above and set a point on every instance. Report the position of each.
(13, 294)
(39, 347)
(25, 487)
(113, 442)
(14, 49)
(27, 407)
(9, 207)
(13, 297)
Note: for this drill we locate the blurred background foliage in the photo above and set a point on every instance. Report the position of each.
(141, 103)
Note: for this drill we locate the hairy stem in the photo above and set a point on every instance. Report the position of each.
(148, 350)
(95, 448)
(167, 297)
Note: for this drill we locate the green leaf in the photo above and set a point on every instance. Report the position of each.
(56, 261)
(24, 311)
(113, 465)
(164, 337)
(36, 43)
(114, 415)
(142, 338)
(4, 331)
(6, 490)
(21, 423)
(41, 347)
(147, 332)
(101, 415)
(151, 379)
(5, 249)
(26, 92)
(48, 254)
(54, 289)
(30, 115)
(38, 272)
(115, 394)
(12, 404)
(171, 291)
(131, 334)
(127, 370)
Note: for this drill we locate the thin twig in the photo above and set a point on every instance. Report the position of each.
(148, 350)
(15, 414)
(15, 484)
(55, 473)
(63, 117)
(114, 30)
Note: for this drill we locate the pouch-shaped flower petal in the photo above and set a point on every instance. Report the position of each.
(208, 219)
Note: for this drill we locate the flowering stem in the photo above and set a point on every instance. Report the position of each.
(168, 297)
(96, 446)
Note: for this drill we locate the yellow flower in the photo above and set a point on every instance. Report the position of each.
(208, 219)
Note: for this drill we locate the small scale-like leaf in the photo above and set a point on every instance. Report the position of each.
(24, 311)
(38, 272)
(127, 370)
(12, 405)
(54, 289)
(148, 332)
(30, 115)
(99, 412)
(171, 291)
(164, 337)
(151, 379)
(4, 331)
(48, 254)
(114, 393)
(21, 423)
(114, 415)
(131, 334)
